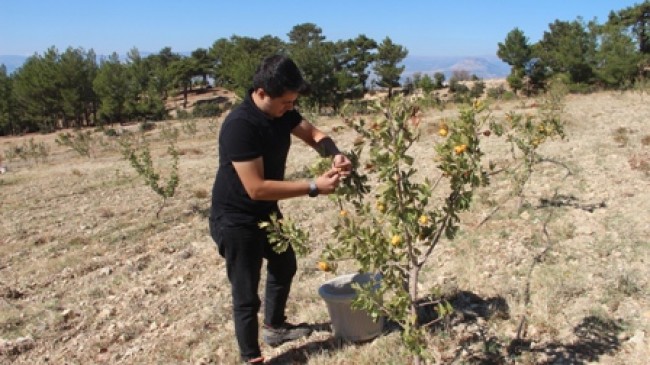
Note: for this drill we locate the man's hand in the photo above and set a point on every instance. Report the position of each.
(342, 164)
(328, 182)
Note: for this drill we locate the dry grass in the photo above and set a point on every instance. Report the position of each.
(88, 275)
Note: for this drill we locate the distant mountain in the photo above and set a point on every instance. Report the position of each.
(487, 67)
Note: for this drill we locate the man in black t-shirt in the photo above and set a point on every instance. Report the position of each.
(253, 146)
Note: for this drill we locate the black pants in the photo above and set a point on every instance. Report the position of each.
(244, 247)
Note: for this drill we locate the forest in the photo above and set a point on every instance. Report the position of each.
(75, 89)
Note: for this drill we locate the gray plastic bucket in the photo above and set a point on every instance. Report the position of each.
(349, 324)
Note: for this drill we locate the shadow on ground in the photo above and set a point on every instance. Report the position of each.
(596, 336)
(301, 354)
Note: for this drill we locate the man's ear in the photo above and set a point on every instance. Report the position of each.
(260, 93)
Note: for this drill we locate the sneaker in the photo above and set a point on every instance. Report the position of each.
(275, 336)
(257, 360)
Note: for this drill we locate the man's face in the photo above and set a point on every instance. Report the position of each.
(275, 107)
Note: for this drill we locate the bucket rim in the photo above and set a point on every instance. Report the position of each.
(343, 284)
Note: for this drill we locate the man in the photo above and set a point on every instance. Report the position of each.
(253, 145)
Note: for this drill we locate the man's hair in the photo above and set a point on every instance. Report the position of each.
(279, 74)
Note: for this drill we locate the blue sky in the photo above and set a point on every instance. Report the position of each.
(424, 27)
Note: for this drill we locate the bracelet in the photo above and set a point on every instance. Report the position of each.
(313, 189)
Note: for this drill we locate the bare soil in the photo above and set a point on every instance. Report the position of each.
(90, 275)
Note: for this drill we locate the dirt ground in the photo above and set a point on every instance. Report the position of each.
(90, 275)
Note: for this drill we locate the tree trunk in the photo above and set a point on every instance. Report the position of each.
(414, 273)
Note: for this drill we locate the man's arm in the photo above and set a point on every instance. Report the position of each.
(316, 139)
(251, 174)
(325, 146)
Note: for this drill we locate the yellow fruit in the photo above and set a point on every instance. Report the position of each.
(396, 240)
(443, 132)
(423, 220)
(343, 213)
(381, 207)
(324, 266)
(460, 149)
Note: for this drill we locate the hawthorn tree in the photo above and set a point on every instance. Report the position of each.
(392, 216)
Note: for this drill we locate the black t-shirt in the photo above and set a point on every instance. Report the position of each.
(247, 133)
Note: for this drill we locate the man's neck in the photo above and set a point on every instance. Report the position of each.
(256, 98)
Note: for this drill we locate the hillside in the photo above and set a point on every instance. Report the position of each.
(487, 67)
(90, 275)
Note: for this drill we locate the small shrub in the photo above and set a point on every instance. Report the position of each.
(105, 212)
(200, 193)
(213, 125)
(645, 140)
(477, 89)
(508, 95)
(430, 101)
(183, 114)
(190, 151)
(580, 88)
(355, 107)
(10, 153)
(189, 127)
(627, 285)
(169, 132)
(516, 80)
(640, 163)
(621, 136)
(496, 93)
(28, 150)
(146, 126)
(642, 85)
(111, 132)
(80, 142)
(438, 80)
(456, 87)
(206, 110)
(141, 161)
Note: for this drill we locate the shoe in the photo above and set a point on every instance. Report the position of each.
(257, 360)
(275, 336)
